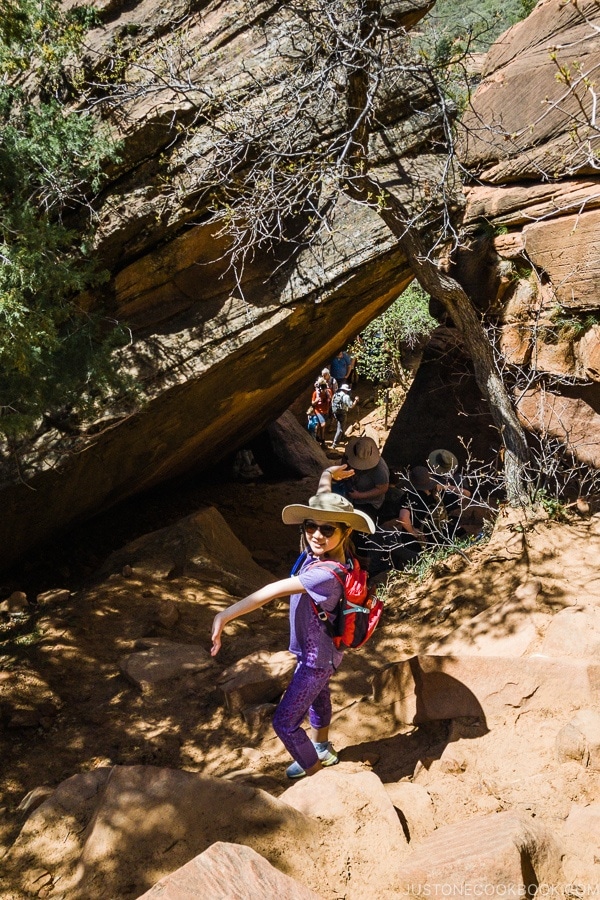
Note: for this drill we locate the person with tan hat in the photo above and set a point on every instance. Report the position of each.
(331, 382)
(467, 513)
(428, 511)
(326, 524)
(371, 480)
(442, 462)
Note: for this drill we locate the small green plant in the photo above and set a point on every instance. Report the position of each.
(565, 327)
(527, 6)
(28, 639)
(554, 507)
(426, 563)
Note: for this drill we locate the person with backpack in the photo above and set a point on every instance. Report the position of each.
(341, 405)
(321, 404)
(316, 589)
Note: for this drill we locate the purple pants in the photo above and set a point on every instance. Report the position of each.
(307, 692)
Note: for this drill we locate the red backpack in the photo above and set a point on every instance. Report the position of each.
(359, 610)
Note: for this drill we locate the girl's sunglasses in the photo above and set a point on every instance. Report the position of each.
(326, 530)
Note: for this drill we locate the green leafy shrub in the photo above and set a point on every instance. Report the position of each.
(472, 25)
(53, 355)
(380, 348)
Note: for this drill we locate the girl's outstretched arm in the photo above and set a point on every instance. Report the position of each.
(253, 601)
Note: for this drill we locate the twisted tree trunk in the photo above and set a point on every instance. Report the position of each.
(363, 80)
(464, 315)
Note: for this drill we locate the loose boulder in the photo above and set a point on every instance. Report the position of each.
(200, 545)
(505, 851)
(115, 832)
(256, 679)
(158, 660)
(362, 831)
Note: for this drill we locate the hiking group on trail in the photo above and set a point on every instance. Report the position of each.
(357, 526)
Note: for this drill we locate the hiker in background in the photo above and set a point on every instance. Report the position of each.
(321, 403)
(330, 381)
(368, 488)
(245, 467)
(326, 524)
(341, 405)
(313, 421)
(444, 467)
(333, 387)
(341, 367)
(427, 508)
(467, 513)
(442, 462)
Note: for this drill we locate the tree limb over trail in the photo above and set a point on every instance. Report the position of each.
(277, 174)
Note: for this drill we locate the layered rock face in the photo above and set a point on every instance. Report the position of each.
(531, 144)
(216, 360)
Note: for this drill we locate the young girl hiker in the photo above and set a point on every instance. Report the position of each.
(326, 525)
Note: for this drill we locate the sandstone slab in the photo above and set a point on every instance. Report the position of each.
(503, 851)
(228, 872)
(572, 419)
(218, 355)
(428, 688)
(520, 89)
(200, 545)
(567, 249)
(115, 832)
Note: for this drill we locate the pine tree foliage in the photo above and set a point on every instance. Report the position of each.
(53, 355)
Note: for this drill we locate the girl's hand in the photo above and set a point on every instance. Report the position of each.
(217, 629)
(338, 473)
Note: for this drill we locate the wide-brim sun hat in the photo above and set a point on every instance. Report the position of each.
(328, 507)
(420, 478)
(362, 453)
(346, 387)
(442, 461)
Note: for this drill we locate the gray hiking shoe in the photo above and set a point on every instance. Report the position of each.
(327, 757)
(295, 771)
(326, 753)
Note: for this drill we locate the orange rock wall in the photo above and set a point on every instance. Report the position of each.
(531, 144)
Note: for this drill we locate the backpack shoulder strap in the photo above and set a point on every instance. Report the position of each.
(338, 569)
(298, 564)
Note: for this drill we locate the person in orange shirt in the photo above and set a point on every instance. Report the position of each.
(321, 403)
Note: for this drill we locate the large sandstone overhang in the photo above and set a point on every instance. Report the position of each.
(217, 362)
